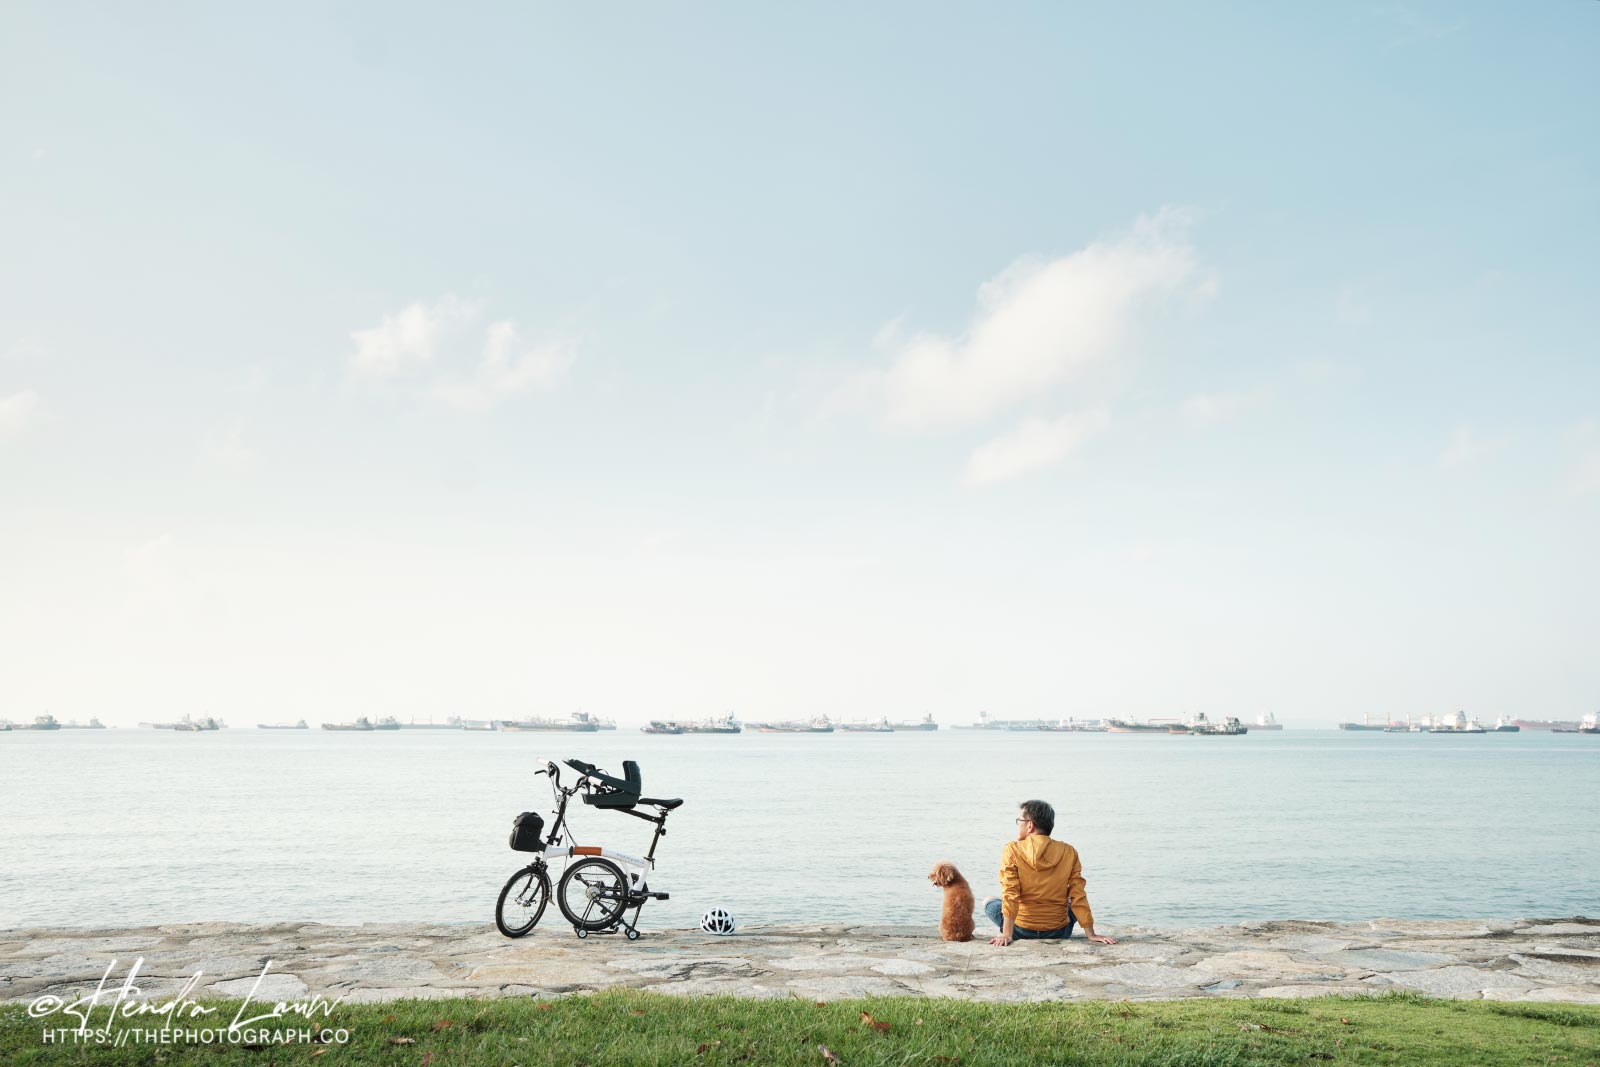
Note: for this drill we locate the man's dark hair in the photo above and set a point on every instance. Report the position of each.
(1042, 815)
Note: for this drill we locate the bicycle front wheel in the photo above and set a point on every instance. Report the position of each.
(593, 893)
(522, 902)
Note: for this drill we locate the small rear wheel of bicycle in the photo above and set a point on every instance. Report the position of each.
(633, 935)
(592, 893)
(522, 902)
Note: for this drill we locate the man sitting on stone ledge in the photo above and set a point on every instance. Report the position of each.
(1041, 884)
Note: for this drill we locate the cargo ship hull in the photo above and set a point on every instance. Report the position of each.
(1125, 726)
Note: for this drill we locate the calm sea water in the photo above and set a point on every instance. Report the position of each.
(124, 827)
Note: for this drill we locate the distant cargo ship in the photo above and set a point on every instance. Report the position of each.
(299, 724)
(92, 724)
(1230, 726)
(452, 723)
(1590, 724)
(924, 723)
(186, 724)
(1368, 724)
(477, 725)
(1561, 725)
(579, 723)
(194, 726)
(1268, 721)
(361, 724)
(815, 726)
(199, 725)
(725, 725)
(1458, 724)
(986, 723)
(1130, 726)
(880, 727)
(1503, 725)
(40, 722)
(657, 726)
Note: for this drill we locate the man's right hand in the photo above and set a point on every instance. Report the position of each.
(1000, 939)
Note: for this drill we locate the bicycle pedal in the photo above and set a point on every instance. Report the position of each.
(662, 896)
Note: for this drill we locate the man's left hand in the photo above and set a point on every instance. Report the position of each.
(1000, 939)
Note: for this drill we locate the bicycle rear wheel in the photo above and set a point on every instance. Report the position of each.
(593, 894)
(522, 902)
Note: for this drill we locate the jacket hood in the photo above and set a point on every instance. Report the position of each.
(1040, 852)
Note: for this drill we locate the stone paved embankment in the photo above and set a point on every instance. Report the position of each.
(1524, 959)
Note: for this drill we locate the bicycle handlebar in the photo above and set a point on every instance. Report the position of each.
(554, 774)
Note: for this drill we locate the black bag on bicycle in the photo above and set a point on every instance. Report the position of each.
(525, 831)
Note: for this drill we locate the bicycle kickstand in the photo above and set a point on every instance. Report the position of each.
(631, 929)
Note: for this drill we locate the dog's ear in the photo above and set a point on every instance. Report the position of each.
(942, 874)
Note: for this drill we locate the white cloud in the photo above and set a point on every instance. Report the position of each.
(889, 334)
(469, 369)
(150, 560)
(1035, 324)
(411, 337)
(1586, 479)
(1209, 409)
(1321, 371)
(1466, 447)
(25, 350)
(224, 450)
(19, 413)
(1036, 443)
(1406, 26)
(508, 366)
(1352, 307)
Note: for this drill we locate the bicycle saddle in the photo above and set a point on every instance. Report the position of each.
(664, 805)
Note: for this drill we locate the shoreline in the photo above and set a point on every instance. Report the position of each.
(1494, 959)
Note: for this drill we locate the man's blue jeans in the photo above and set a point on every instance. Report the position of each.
(992, 909)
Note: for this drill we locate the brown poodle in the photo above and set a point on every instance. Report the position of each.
(955, 924)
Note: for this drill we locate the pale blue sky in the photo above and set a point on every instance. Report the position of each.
(665, 360)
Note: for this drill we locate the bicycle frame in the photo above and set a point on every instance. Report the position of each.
(637, 868)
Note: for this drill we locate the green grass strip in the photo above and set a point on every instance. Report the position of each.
(622, 1027)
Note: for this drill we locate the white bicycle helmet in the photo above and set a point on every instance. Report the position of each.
(717, 921)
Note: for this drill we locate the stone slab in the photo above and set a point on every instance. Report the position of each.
(1383, 959)
(271, 987)
(1459, 981)
(1521, 959)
